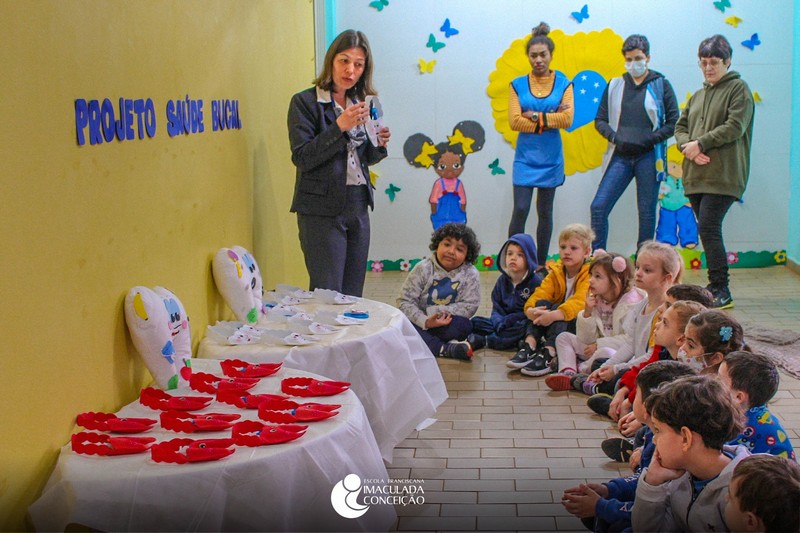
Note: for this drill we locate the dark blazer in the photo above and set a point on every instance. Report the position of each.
(319, 151)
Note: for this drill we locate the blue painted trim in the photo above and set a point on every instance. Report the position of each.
(793, 237)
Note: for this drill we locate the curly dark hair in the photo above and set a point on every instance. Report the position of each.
(700, 403)
(539, 36)
(709, 329)
(460, 232)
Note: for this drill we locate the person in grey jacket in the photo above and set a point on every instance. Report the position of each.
(714, 133)
(685, 487)
(331, 150)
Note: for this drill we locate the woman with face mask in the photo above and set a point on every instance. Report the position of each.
(637, 115)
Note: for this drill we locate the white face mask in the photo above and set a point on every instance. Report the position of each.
(636, 68)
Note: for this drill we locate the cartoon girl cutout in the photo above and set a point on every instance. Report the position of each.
(448, 199)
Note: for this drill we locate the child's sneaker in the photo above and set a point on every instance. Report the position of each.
(457, 350)
(539, 365)
(577, 381)
(600, 404)
(618, 449)
(476, 341)
(522, 357)
(560, 381)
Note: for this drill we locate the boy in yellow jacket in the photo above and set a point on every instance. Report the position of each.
(554, 305)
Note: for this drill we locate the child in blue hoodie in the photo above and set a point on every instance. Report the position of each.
(506, 326)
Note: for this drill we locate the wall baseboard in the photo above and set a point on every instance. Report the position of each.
(794, 267)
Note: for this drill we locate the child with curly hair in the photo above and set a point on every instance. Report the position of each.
(443, 292)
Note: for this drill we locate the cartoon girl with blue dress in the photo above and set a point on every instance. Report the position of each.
(448, 198)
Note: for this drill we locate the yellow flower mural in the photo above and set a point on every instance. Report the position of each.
(598, 52)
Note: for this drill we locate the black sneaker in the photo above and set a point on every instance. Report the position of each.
(457, 350)
(476, 341)
(540, 364)
(618, 449)
(522, 357)
(722, 298)
(600, 404)
(577, 381)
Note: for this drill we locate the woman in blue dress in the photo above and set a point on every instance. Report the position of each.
(539, 105)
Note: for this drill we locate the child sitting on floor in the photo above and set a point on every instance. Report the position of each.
(753, 380)
(599, 325)
(555, 304)
(658, 266)
(686, 484)
(518, 280)
(709, 336)
(764, 495)
(443, 291)
(608, 506)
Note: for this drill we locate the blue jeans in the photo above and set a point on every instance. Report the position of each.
(497, 339)
(621, 170)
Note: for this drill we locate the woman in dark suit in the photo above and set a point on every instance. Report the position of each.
(331, 151)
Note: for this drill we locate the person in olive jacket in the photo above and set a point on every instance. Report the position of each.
(714, 132)
(332, 151)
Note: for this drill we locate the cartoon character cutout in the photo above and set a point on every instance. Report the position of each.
(238, 279)
(443, 292)
(160, 331)
(448, 198)
(676, 221)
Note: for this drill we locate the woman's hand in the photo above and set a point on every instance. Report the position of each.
(353, 116)
(383, 136)
(694, 153)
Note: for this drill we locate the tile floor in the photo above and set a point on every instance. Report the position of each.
(505, 447)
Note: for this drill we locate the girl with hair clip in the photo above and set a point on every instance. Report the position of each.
(709, 336)
(539, 105)
(599, 332)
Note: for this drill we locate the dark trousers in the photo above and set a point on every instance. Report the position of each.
(710, 210)
(435, 338)
(544, 211)
(549, 333)
(336, 248)
(504, 339)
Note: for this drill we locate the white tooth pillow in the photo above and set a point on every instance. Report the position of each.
(238, 279)
(160, 331)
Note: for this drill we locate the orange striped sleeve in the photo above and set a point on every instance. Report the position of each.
(515, 119)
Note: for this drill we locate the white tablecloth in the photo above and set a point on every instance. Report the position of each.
(391, 369)
(284, 487)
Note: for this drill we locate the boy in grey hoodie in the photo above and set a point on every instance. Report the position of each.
(685, 487)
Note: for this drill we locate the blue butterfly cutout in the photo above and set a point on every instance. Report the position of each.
(495, 166)
(722, 4)
(379, 4)
(448, 30)
(391, 191)
(433, 44)
(752, 42)
(581, 15)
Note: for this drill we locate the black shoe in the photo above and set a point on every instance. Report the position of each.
(577, 381)
(600, 403)
(457, 350)
(522, 357)
(476, 341)
(618, 449)
(722, 298)
(540, 364)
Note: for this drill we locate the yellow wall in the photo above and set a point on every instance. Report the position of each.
(81, 225)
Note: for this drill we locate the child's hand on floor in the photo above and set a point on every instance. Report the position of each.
(438, 320)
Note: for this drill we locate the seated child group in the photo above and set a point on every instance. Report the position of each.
(688, 396)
